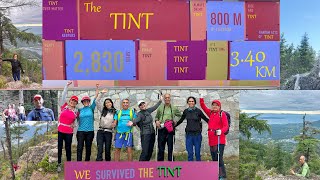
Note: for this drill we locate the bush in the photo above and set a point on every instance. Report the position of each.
(3, 82)
(48, 167)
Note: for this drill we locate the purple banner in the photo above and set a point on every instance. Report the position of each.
(60, 20)
(186, 60)
(255, 60)
(141, 170)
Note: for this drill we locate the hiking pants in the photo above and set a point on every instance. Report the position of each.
(86, 138)
(165, 138)
(104, 138)
(214, 155)
(147, 144)
(193, 141)
(67, 138)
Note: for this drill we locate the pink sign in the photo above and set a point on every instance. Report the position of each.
(141, 170)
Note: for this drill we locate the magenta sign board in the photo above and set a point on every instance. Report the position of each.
(60, 20)
(186, 60)
(141, 170)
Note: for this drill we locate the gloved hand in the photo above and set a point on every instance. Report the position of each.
(218, 132)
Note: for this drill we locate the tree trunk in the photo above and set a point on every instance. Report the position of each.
(53, 105)
(8, 138)
(4, 150)
(1, 41)
(18, 139)
(21, 100)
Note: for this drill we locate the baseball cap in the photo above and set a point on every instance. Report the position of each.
(74, 98)
(140, 102)
(85, 98)
(37, 96)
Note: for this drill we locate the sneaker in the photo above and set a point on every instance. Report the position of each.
(221, 178)
(59, 169)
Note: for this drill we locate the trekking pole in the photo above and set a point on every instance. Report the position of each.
(174, 141)
(156, 156)
(218, 156)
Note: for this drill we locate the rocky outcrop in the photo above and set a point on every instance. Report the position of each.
(306, 81)
(268, 175)
(36, 175)
(35, 154)
(228, 98)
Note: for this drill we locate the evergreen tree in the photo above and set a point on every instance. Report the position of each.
(306, 56)
(17, 131)
(247, 123)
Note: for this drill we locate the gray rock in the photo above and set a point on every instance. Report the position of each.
(124, 94)
(141, 91)
(141, 97)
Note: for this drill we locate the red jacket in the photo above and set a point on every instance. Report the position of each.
(215, 122)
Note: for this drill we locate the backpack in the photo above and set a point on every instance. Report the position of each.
(228, 118)
(130, 114)
(37, 114)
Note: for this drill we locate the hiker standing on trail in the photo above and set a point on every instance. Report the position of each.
(16, 67)
(124, 136)
(144, 121)
(217, 127)
(304, 170)
(22, 112)
(66, 123)
(165, 123)
(104, 135)
(193, 129)
(85, 133)
(40, 113)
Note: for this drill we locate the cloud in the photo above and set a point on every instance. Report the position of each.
(27, 15)
(280, 100)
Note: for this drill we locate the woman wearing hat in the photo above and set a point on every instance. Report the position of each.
(66, 122)
(217, 127)
(144, 121)
(85, 133)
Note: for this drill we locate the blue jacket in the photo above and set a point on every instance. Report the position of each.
(43, 114)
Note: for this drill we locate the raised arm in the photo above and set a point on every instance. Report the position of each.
(181, 119)
(64, 94)
(155, 107)
(6, 60)
(204, 117)
(204, 107)
(99, 101)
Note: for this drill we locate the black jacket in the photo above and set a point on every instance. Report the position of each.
(193, 117)
(15, 64)
(144, 120)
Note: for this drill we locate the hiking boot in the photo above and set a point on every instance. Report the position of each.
(59, 169)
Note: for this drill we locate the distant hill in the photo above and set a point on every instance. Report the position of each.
(282, 133)
(28, 134)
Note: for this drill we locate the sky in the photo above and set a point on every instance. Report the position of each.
(298, 17)
(280, 100)
(27, 15)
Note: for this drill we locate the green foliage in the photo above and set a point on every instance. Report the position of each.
(296, 60)
(33, 69)
(48, 167)
(247, 124)
(11, 33)
(309, 146)
(256, 157)
(3, 82)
